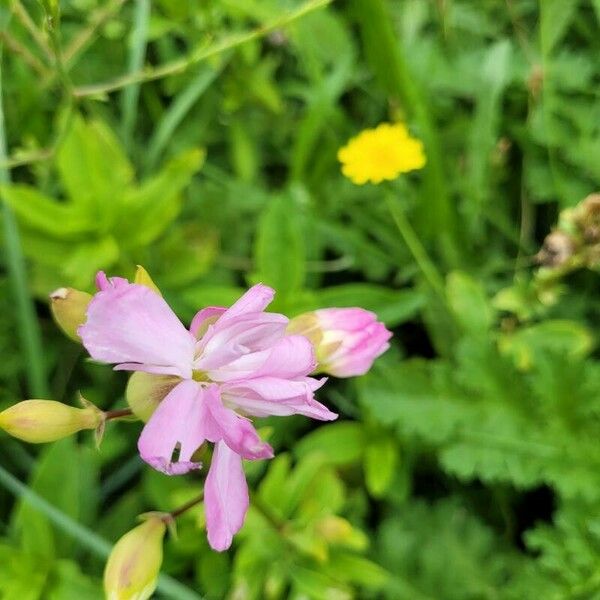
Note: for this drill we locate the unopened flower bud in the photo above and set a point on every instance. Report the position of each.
(346, 340)
(39, 421)
(68, 307)
(133, 566)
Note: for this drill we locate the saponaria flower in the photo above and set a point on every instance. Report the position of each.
(231, 364)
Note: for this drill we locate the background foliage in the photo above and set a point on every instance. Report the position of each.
(199, 139)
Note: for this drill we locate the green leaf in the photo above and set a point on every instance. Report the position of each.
(358, 570)
(93, 167)
(469, 303)
(23, 576)
(152, 207)
(555, 19)
(381, 459)
(441, 550)
(65, 476)
(525, 345)
(279, 247)
(340, 443)
(495, 72)
(317, 586)
(39, 212)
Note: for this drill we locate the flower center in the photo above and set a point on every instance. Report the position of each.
(200, 376)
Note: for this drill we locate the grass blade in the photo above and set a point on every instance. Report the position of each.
(178, 110)
(137, 52)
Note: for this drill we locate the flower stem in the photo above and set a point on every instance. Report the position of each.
(185, 507)
(109, 415)
(411, 239)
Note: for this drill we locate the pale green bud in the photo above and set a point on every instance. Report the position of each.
(39, 421)
(69, 307)
(133, 566)
(145, 391)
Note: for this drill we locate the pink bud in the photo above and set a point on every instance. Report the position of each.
(346, 340)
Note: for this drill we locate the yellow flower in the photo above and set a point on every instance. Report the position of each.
(381, 154)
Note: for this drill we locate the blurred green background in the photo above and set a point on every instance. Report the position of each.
(199, 139)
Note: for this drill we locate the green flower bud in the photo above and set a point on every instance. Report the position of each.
(39, 421)
(133, 566)
(68, 307)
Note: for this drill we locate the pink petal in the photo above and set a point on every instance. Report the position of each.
(177, 422)
(221, 423)
(255, 300)
(289, 357)
(346, 319)
(203, 318)
(132, 325)
(358, 351)
(225, 497)
(273, 396)
(226, 341)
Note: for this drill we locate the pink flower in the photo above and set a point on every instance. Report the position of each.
(231, 364)
(347, 340)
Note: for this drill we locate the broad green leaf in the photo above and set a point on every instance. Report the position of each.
(86, 258)
(469, 303)
(340, 443)
(39, 212)
(355, 569)
(65, 477)
(380, 461)
(318, 586)
(93, 167)
(23, 575)
(279, 247)
(67, 582)
(152, 207)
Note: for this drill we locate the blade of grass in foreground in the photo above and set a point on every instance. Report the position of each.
(167, 586)
(28, 327)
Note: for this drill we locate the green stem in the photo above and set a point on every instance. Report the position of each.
(199, 54)
(90, 540)
(29, 331)
(411, 239)
(389, 62)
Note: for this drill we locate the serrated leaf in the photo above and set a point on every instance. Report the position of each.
(469, 303)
